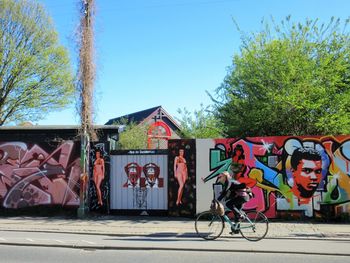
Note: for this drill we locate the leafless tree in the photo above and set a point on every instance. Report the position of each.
(87, 67)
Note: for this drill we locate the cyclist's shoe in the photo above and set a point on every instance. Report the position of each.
(234, 231)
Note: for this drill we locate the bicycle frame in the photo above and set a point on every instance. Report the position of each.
(236, 226)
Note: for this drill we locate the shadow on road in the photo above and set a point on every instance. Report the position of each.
(163, 236)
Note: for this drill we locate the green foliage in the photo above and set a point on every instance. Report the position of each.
(289, 79)
(35, 72)
(133, 137)
(200, 124)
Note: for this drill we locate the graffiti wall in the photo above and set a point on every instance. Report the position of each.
(139, 180)
(99, 188)
(182, 177)
(34, 174)
(302, 175)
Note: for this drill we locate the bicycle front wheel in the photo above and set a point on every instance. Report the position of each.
(209, 225)
(256, 227)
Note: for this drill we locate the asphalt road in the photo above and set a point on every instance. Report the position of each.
(15, 254)
(173, 243)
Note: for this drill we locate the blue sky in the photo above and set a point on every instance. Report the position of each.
(168, 52)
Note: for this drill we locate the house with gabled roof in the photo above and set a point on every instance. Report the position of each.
(162, 126)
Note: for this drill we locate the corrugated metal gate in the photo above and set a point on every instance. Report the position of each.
(139, 180)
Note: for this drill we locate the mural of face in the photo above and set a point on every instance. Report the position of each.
(181, 152)
(151, 171)
(133, 172)
(307, 177)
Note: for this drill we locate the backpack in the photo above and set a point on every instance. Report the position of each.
(217, 208)
(245, 193)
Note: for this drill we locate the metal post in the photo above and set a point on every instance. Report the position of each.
(86, 83)
(84, 177)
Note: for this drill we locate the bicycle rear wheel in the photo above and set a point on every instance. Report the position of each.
(257, 228)
(209, 225)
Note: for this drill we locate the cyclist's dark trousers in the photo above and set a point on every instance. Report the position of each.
(238, 202)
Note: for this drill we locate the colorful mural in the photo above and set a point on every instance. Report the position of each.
(39, 174)
(182, 177)
(301, 174)
(138, 179)
(99, 177)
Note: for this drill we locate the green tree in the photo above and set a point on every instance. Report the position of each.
(134, 136)
(199, 124)
(288, 79)
(35, 71)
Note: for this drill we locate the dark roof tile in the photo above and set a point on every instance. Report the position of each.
(136, 117)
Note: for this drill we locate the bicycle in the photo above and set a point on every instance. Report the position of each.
(253, 225)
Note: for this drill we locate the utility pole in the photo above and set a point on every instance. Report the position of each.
(86, 88)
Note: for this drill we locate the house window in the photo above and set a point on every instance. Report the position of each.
(158, 135)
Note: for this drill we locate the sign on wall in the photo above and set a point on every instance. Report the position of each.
(139, 180)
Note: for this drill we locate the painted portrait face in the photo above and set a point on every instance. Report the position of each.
(181, 152)
(133, 171)
(238, 152)
(98, 154)
(151, 172)
(307, 177)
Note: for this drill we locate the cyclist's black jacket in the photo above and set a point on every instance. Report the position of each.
(229, 189)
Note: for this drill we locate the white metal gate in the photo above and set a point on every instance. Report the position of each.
(139, 180)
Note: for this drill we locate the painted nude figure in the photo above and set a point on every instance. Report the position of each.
(181, 174)
(99, 175)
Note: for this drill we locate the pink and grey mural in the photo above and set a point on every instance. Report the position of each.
(34, 174)
(303, 175)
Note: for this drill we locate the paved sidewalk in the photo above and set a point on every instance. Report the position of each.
(158, 226)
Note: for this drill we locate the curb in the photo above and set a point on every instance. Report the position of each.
(312, 236)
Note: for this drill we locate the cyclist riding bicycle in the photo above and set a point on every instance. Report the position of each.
(234, 193)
